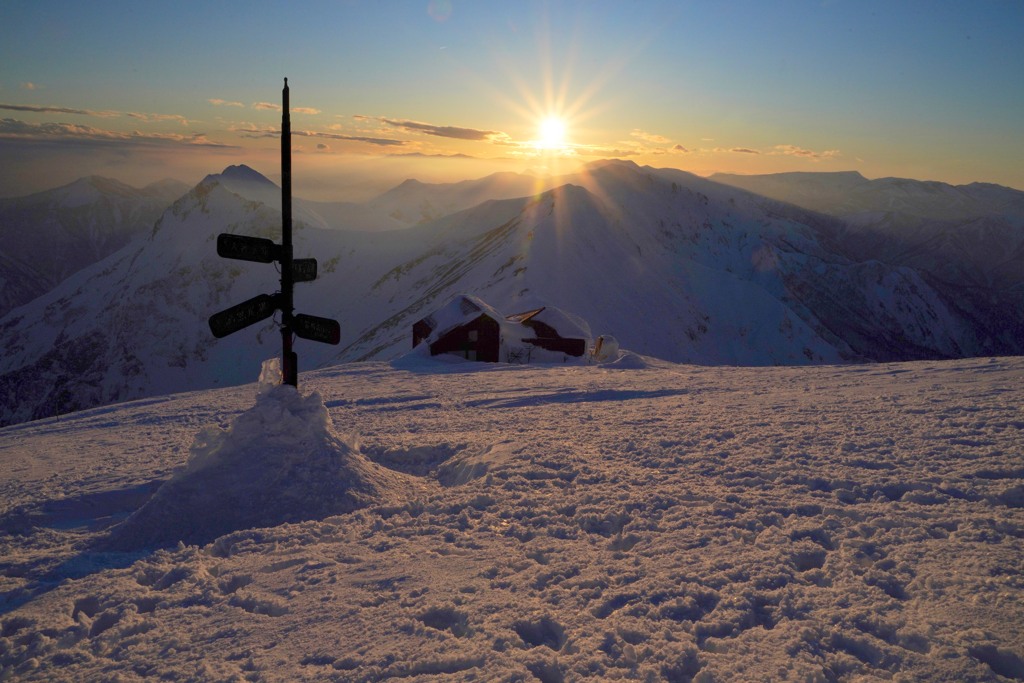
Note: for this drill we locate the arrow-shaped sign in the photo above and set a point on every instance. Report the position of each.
(317, 329)
(303, 269)
(245, 248)
(242, 315)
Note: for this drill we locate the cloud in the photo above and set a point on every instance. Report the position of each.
(270, 132)
(58, 110)
(90, 112)
(217, 102)
(158, 117)
(421, 155)
(793, 150)
(777, 150)
(382, 142)
(266, 105)
(322, 147)
(305, 110)
(29, 85)
(506, 141)
(12, 129)
(445, 131)
(650, 137)
(255, 132)
(679, 149)
(584, 150)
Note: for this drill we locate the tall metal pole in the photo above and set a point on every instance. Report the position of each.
(289, 360)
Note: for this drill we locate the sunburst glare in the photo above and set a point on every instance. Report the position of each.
(551, 133)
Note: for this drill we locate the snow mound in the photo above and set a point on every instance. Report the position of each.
(281, 461)
(627, 360)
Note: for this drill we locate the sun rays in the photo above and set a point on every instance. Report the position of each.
(551, 133)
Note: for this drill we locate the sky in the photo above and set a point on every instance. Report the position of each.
(446, 89)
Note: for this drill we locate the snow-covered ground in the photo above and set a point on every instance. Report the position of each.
(638, 520)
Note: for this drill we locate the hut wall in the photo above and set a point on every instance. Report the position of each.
(478, 339)
(571, 347)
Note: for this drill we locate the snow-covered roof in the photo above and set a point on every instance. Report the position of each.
(464, 308)
(566, 324)
(459, 310)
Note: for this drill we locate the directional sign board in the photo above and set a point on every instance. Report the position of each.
(244, 248)
(242, 315)
(304, 269)
(317, 329)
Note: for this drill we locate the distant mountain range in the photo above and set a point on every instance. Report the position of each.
(49, 235)
(966, 241)
(849, 194)
(787, 269)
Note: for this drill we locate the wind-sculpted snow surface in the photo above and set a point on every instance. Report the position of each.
(633, 521)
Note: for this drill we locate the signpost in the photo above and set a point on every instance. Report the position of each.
(258, 249)
(304, 269)
(317, 329)
(242, 315)
(262, 250)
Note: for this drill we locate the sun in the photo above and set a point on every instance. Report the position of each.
(551, 133)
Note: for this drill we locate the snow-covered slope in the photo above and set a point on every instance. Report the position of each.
(632, 521)
(676, 267)
(414, 202)
(967, 241)
(50, 235)
(133, 325)
(670, 264)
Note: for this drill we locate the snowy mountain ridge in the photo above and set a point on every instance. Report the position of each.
(49, 235)
(673, 265)
(414, 202)
(967, 241)
(848, 193)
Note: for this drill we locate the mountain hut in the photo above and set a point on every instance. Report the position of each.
(472, 329)
(465, 326)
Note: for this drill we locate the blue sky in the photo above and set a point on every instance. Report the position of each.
(144, 90)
